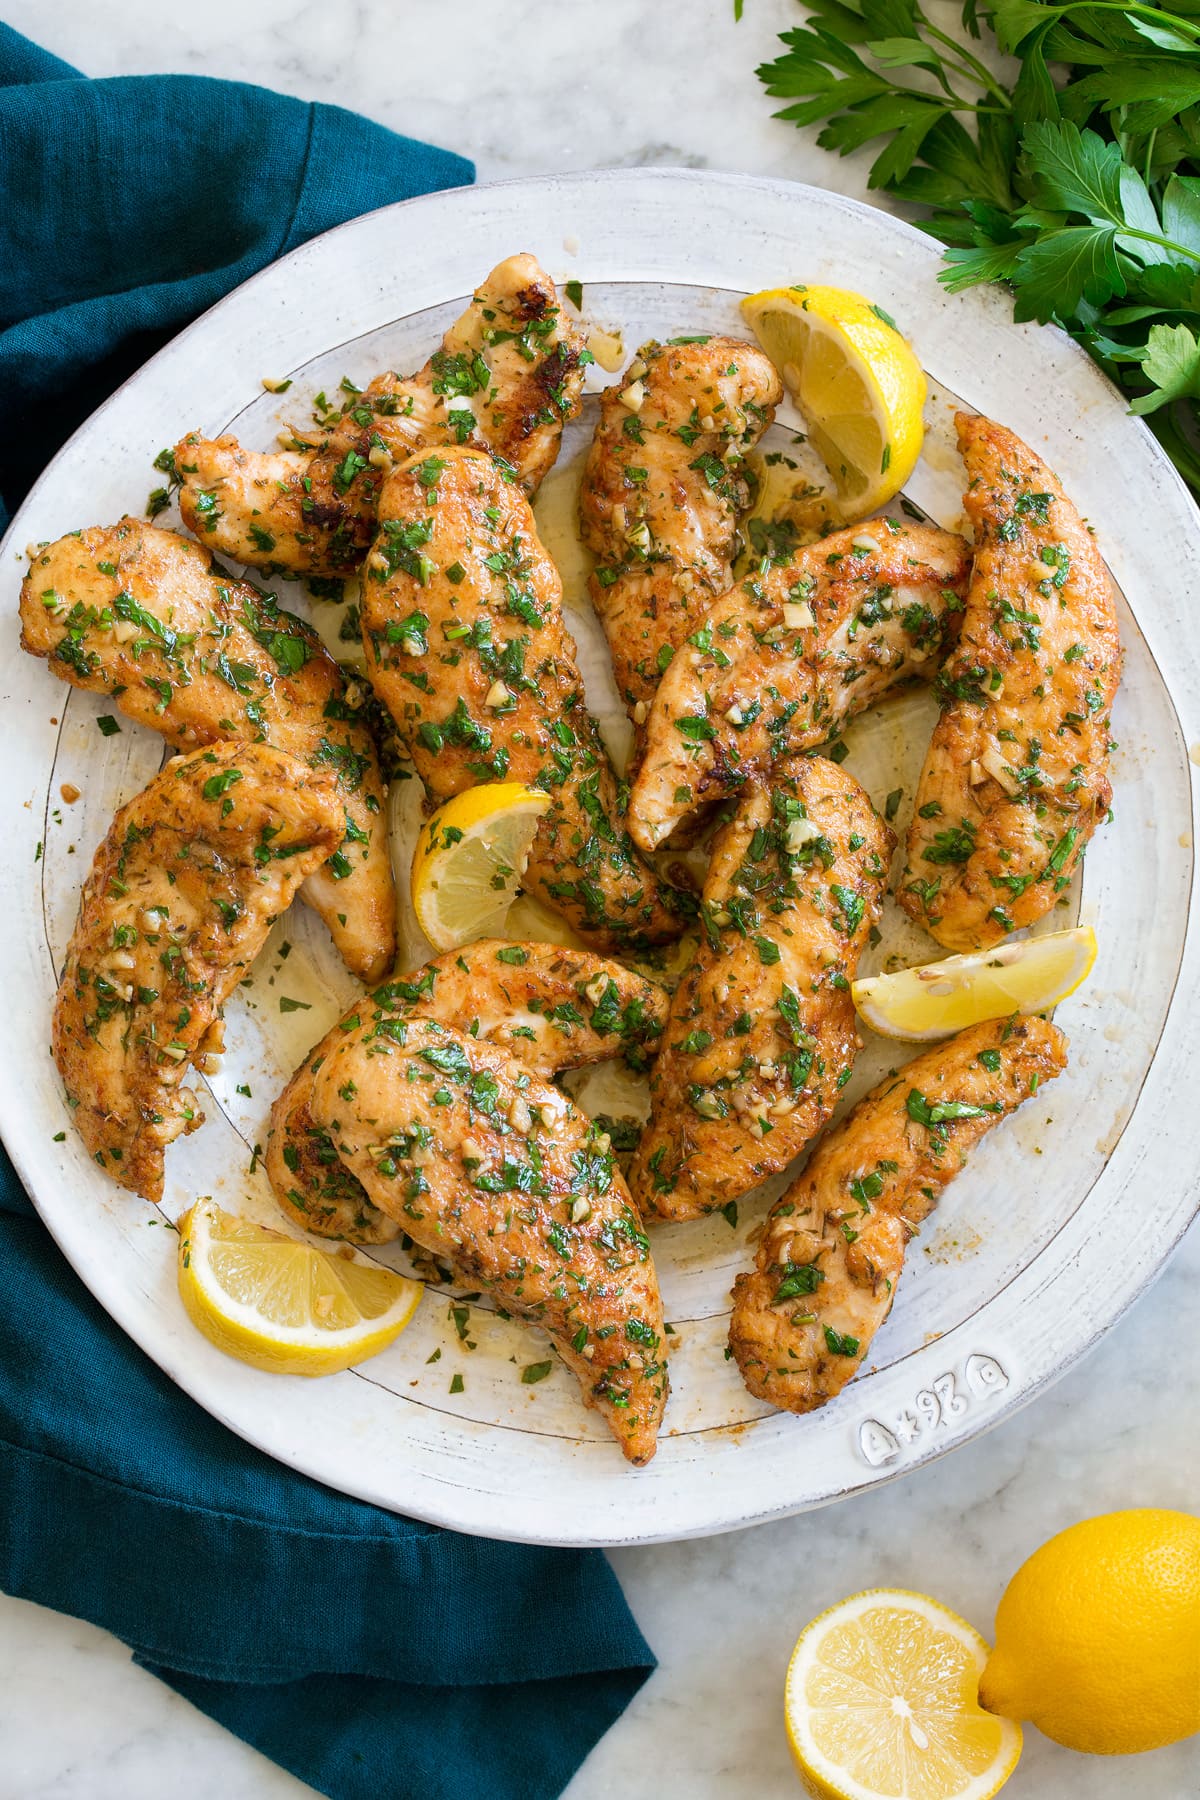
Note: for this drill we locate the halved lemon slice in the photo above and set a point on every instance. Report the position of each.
(857, 381)
(882, 1700)
(280, 1304)
(941, 998)
(469, 861)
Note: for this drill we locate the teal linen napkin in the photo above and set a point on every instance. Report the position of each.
(371, 1655)
(128, 206)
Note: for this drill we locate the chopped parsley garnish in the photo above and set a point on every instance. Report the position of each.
(931, 1116)
(798, 1279)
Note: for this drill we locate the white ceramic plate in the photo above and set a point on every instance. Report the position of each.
(1063, 1217)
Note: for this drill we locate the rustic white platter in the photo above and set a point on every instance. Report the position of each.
(1063, 1217)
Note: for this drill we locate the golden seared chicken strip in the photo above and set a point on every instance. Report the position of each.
(762, 1033)
(146, 617)
(507, 378)
(788, 655)
(466, 647)
(550, 1008)
(486, 1164)
(181, 895)
(833, 1248)
(662, 491)
(1016, 779)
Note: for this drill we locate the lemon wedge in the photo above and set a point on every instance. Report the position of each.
(881, 1700)
(941, 998)
(469, 861)
(857, 381)
(280, 1304)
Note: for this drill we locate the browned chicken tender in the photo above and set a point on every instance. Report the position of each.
(786, 657)
(466, 647)
(507, 378)
(1016, 779)
(178, 903)
(762, 1034)
(551, 1008)
(484, 1163)
(146, 617)
(662, 492)
(833, 1247)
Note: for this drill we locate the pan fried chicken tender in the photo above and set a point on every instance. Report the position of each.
(786, 657)
(550, 1008)
(508, 377)
(178, 903)
(761, 1035)
(466, 647)
(484, 1163)
(520, 360)
(146, 617)
(833, 1248)
(662, 491)
(1016, 779)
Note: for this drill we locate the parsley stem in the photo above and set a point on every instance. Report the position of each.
(1152, 237)
(1174, 21)
(971, 64)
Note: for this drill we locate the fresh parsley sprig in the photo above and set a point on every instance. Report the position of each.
(1076, 182)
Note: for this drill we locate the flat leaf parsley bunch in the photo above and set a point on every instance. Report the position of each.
(1077, 181)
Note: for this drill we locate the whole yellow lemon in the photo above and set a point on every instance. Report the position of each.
(1098, 1635)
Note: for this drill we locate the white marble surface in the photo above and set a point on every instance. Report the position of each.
(526, 89)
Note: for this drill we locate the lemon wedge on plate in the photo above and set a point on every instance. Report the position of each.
(881, 1700)
(857, 381)
(469, 861)
(279, 1303)
(941, 998)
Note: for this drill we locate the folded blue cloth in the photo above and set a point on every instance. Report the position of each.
(129, 206)
(369, 1654)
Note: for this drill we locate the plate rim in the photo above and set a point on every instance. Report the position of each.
(21, 1147)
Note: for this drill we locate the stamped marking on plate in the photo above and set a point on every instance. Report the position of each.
(947, 1399)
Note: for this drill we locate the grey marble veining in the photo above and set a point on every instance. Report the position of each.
(526, 89)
